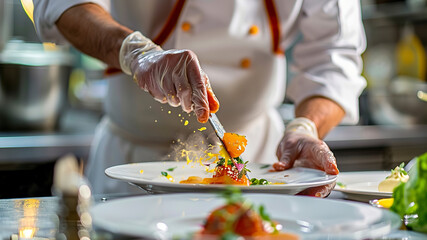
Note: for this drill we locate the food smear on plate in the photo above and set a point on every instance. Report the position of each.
(225, 172)
(397, 175)
(240, 219)
(341, 185)
(229, 175)
(168, 176)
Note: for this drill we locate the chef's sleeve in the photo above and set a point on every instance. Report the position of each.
(328, 58)
(47, 12)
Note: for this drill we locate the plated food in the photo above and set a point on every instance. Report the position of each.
(397, 175)
(362, 185)
(179, 216)
(229, 168)
(240, 219)
(207, 172)
(150, 176)
(409, 197)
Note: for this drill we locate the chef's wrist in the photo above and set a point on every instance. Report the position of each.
(302, 125)
(134, 45)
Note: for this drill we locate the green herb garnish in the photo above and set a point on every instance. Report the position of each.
(171, 169)
(341, 185)
(400, 170)
(263, 214)
(165, 174)
(232, 195)
(264, 166)
(261, 181)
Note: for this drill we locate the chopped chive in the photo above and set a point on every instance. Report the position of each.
(264, 166)
(171, 169)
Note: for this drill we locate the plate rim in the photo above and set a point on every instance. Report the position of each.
(363, 192)
(328, 179)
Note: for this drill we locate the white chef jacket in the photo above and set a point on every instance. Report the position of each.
(326, 62)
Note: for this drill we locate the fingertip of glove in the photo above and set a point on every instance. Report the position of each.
(333, 171)
(202, 116)
(280, 166)
(213, 102)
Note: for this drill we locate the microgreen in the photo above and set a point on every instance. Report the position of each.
(232, 195)
(238, 160)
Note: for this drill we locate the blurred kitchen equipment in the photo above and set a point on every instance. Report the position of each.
(406, 98)
(33, 86)
(401, 103)
(410, 55)
(5, 21)
(75, 195)
(379, 65)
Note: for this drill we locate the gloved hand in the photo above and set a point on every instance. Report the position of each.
(300, 146)
(173, 76)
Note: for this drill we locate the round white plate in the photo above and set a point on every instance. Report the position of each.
(176, 216)
(295, 180)
(362, 186)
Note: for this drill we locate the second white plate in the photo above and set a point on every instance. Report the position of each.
(362, 186)
(148, 176)
(175, 216)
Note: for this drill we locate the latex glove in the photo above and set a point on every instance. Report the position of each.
(300, 146)
(173, 76)
(320, 191)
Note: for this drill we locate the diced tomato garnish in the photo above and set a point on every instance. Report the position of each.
(228, 175)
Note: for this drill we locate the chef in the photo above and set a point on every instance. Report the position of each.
(170, 61)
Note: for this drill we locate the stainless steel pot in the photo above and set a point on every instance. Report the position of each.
(33, 87)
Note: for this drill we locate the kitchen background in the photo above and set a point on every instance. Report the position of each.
(51, 97)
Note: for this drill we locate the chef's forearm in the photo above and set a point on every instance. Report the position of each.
(93, 31)
(325, 113)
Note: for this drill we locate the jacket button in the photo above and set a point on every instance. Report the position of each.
(245, 63)
(253, 30)
(186, 26)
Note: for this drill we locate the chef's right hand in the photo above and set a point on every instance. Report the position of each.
(173, 76)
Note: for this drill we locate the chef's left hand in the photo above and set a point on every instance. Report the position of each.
(300, 147)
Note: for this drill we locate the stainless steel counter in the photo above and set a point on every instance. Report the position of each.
(371, 144)
(361, 148)
(43, 148)
(349, 137)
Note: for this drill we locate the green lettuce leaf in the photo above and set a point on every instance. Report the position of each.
(411, 198)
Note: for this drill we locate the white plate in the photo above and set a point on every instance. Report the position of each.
(362, 186)
(151, 179)
(168, 216)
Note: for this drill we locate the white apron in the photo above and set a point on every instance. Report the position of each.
(137, 128)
